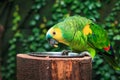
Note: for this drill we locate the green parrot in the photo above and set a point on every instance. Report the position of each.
(82, 34)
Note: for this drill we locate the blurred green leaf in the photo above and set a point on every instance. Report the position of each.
(31, 38)
(117, 37)
(100, 61)
(13, 46)
(12, 41)
(37, 17)
(91, 6)
(98, 4)
(50, 23)
(36, 30)
(32, 23)
(73, 7)
(77, 11)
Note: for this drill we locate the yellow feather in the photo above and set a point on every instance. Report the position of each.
(58, 36)
(87, 30)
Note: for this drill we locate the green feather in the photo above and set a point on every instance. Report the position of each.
(98, 38)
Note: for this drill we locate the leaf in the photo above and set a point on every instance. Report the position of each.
(98, 4)
(41, 50)
(13, 46)
(12, 41)
(85, 10)
(37, 17)
(49, 23)
(18, 34)
(99, 61)
(31, 38)
(91, 6)
(38, 6)
(46, 45)
(36, 30)
(32, 22)
(73, 7)
(14, 27)
(117, 37)
(10, 60)
(33, 46)
(77, 11)
(58, 10)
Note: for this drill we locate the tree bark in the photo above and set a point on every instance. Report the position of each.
(1, 33)
(53, 68)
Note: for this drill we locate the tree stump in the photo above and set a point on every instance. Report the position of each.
(53, 67)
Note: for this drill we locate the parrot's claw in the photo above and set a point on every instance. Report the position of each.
(85, 53)
(65, 52)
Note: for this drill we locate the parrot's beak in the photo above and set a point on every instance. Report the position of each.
(51, 41)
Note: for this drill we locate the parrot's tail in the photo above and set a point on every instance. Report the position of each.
(112, 58)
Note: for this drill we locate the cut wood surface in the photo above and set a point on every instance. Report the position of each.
(53, 68)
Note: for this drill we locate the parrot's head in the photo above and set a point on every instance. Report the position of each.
(55, 36)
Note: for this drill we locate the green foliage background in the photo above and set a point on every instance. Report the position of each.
(26, 23)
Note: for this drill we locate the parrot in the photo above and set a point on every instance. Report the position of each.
(82, 34)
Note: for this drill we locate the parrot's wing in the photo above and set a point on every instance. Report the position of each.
(98, 39)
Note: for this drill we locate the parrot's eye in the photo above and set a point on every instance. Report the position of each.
(54, 33)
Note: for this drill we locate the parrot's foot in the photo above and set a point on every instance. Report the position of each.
(85, 53)
(65, 52)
